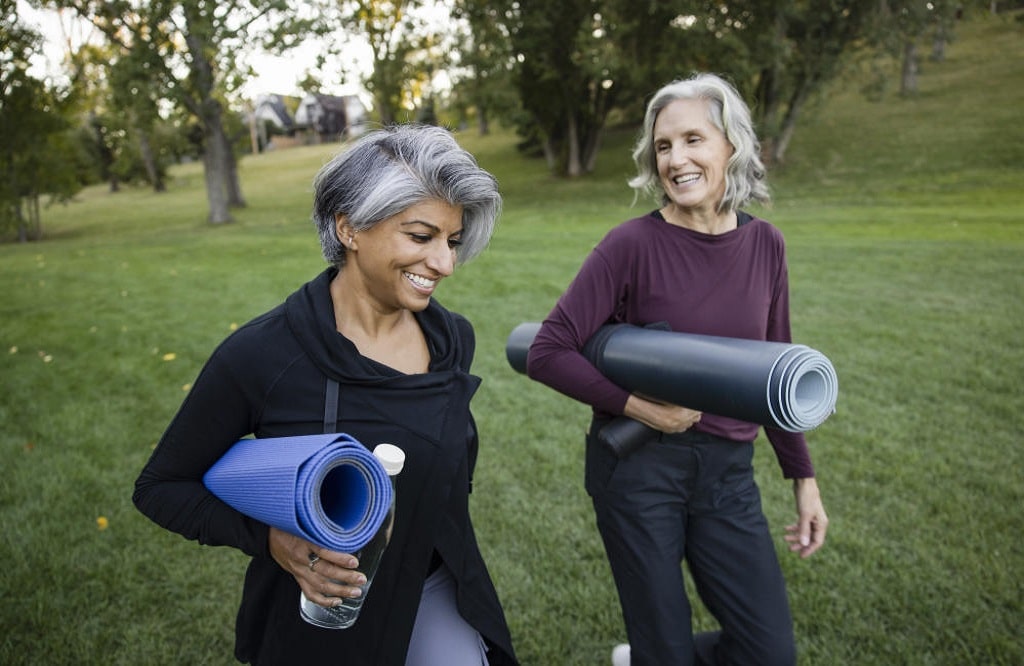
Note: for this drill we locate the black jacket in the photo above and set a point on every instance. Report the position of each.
(268, 379)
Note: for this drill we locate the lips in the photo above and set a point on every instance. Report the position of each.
(419, 280)
(686, 179)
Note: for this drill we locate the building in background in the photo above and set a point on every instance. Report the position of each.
(327, 118)
(272, 125)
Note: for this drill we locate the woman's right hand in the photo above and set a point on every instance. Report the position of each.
(659, 415)
(325, 576)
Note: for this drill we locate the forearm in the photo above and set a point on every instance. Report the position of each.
(170, 490)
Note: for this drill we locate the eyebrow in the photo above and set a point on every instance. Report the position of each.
(431, 225)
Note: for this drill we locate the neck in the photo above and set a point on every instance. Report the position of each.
(357, 316)
(706, 222)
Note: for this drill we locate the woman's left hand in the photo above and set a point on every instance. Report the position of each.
(808, 535)
(325, 576)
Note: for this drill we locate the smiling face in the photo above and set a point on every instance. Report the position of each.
(397, 263)
(692, 157)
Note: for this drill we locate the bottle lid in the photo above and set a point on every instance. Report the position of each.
(391, 458)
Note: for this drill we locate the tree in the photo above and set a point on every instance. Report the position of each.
(189, 53)
(138, 101)
(485, 58)
(565, 82)
(398, 40)
(779, 54)
(902, 24)
(816, 38)
(36, 156)
(579, 62)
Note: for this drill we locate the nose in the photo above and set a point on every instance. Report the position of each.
(678, 155)
(442, 258)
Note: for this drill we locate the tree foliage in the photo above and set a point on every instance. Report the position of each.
(560, 71)
(187, 52)
(403, 47)
(483, 80)
(578, 63)
(37, 155)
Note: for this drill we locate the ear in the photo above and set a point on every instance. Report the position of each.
(346, 234)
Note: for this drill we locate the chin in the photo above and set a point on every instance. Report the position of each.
(418, 305)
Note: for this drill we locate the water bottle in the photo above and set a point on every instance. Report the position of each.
(345, 615)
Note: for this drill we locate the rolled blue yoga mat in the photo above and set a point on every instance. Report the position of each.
(328, 489)
(787, 386)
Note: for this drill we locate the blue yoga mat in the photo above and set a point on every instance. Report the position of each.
(328, 489)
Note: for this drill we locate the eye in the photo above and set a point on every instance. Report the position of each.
(455, 241)
(661, 147)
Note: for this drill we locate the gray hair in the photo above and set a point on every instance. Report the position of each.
(389, 170)
(745, 173)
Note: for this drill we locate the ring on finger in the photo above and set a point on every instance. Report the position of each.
(313, 559)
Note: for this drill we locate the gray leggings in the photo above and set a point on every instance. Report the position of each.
(441, 635)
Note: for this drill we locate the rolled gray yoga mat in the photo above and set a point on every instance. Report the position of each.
(782, 385)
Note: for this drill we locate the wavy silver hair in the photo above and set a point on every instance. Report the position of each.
(745, 173)
(386, 171)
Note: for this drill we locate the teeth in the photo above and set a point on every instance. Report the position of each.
(681, 180)
(420, 280)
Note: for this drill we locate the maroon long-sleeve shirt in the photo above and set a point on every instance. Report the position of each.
(645, 271)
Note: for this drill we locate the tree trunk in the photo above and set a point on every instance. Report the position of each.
(908, 75)
(37, 218)
(231, 182)
(387, 115)
(767, 95)
(218, 168)
(943, 31)
(549, 152)
(214, 168)
(779, 146)
(573, 167)
(592, 147)
(156, 179)
(22, 224)
(483, 123)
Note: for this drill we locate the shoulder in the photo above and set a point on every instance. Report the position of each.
(763, 237)
(265, 336)
(462, 327)
(638, 229)
(764, 229)
(627, 240)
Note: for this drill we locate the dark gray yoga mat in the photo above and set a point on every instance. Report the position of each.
(783, 385)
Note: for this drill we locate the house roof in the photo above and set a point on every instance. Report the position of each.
(272, 108)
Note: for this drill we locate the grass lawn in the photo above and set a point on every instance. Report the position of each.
(906, 247)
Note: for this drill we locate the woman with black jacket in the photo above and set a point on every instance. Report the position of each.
(363, 349)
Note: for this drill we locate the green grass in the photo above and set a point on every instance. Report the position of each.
(906, 248)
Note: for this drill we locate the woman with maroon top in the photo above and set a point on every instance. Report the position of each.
(701, 265)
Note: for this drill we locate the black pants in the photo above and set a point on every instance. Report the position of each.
(691, 496)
